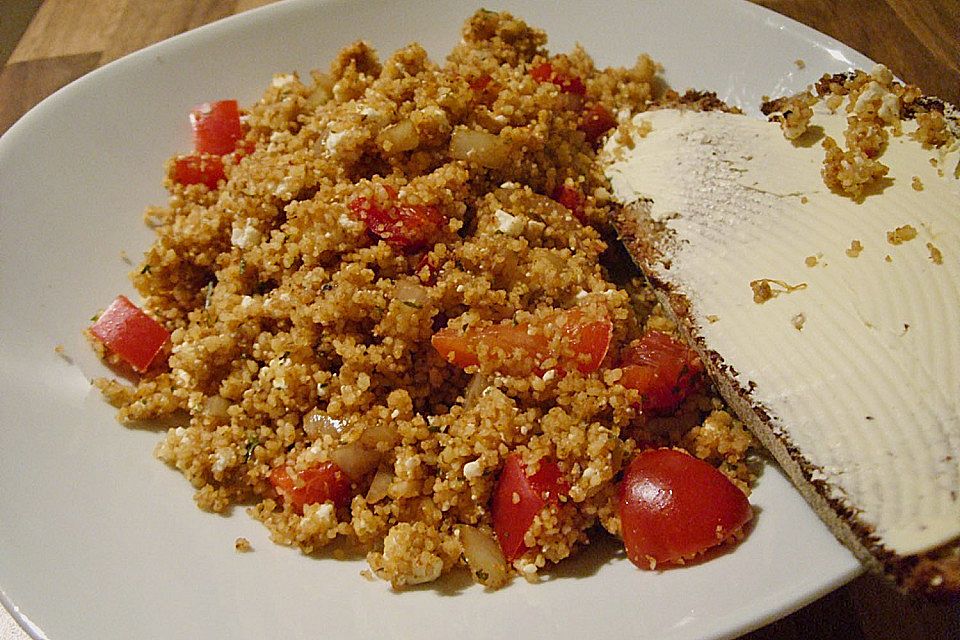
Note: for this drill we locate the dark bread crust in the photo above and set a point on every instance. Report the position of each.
(935, 574)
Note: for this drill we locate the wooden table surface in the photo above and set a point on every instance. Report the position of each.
(918, 39)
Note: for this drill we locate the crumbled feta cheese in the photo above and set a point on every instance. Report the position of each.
(287, 187)
(283, 79)
(873, 91)
(508, 224)
(223, 458)
(347, 222)
(472, 469)
(334, 138)
(889, 108)
(325, 511)
(245, 236)
(882, 74)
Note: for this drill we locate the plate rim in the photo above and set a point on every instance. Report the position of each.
(267, 13)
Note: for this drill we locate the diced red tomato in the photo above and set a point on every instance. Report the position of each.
(404, 227)
(518, 498)
(662, 369)
(584, 336)
(426, 262)
(568, 83)
(321, 483)
(130, 333)
(572, 199)
(216, 127)
(596, 122)
(198, 169)
(484, 89)
(674, 506)
(480, 82)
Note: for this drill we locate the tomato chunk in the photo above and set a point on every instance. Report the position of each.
(596, 122)
(484, 89)
(568, 83)
(130, 333)
(674, 506)
(662, 369)
(198, 169)
(585, 337)
(572, 199)
(518, 498)
(323, 482)
(216, 127)
(404, 227)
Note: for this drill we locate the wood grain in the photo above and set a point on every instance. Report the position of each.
(24, 84)
(918, 39)
(66, 28)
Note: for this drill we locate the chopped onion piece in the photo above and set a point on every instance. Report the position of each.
(355, 459)
(216, 406)
(382, 432)
(475, 388)
(379, 485)
(399, 137)
(482, 147)
(484, 556)
(317, 424)
(411, 293)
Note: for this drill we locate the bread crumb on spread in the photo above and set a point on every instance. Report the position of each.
(855, 248)
(763, 289)
(793, 113)
(876, 106)
(901, 234)
(242, 545)
(916, 183)
(936, 256)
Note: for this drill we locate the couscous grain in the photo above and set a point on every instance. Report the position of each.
(367, 215)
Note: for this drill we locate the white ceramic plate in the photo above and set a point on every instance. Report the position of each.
(98, 540)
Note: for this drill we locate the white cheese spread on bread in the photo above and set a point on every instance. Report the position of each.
(838, 318)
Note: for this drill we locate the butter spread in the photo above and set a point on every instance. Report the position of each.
(867, 384)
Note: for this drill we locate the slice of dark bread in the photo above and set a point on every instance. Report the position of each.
(661, 247)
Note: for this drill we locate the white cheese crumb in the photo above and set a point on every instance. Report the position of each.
(508, 224)
(223, 458)
(871, 92)
(347, 222)
(246, 236)
(472, 469)
(889, 108)
(283, 79)
(325, 511)
(334, 138)
(881, 73)
(285, 188)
